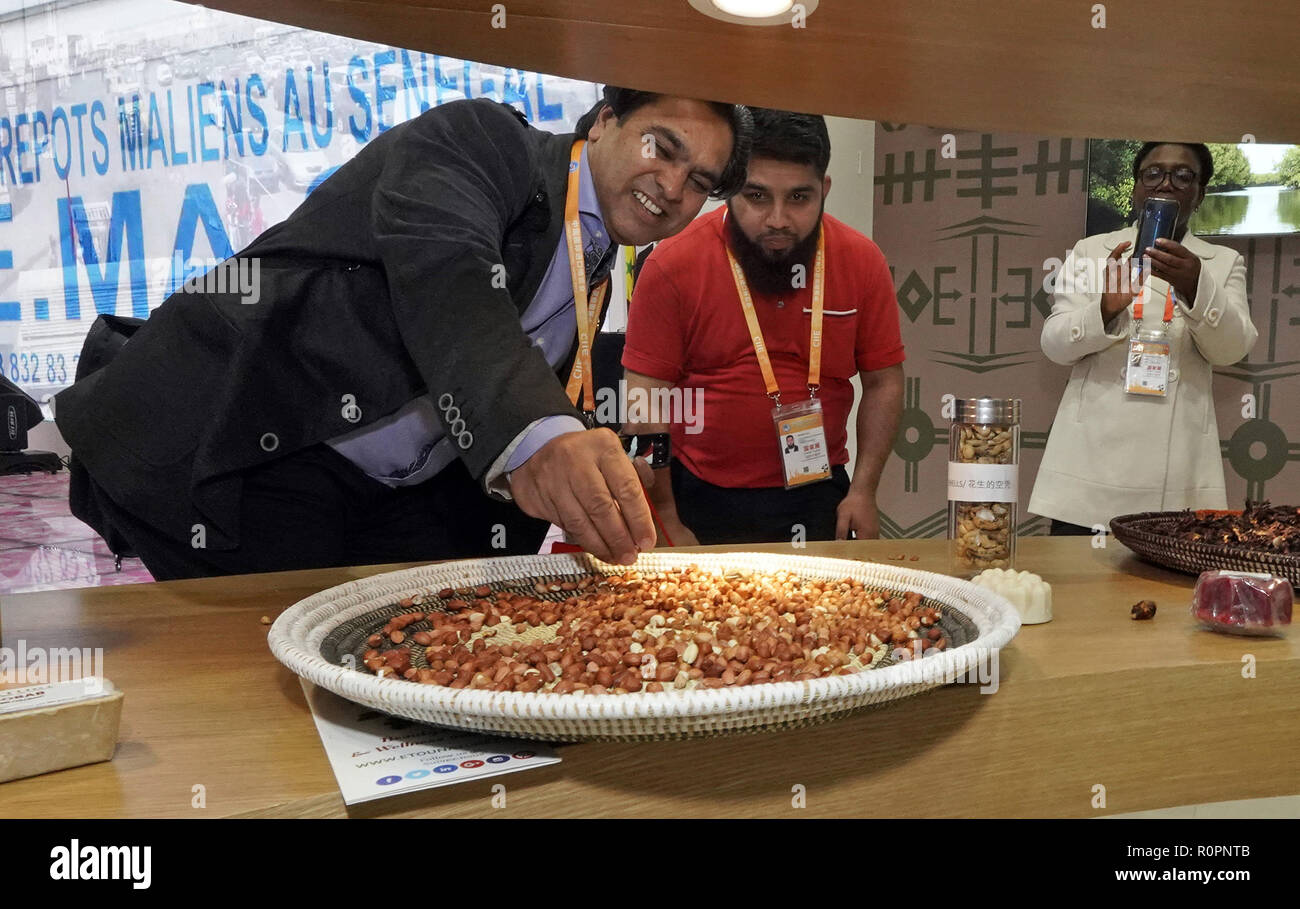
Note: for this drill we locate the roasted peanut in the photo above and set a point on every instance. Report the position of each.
(691, 653)
(677, 629)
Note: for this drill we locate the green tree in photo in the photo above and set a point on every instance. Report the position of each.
(1110, 173)
(1288, 171)
(1231, 169)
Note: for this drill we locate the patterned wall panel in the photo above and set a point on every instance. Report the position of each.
(1262, 453)
(970, 223)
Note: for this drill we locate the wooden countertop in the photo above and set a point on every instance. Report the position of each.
(1158, 713)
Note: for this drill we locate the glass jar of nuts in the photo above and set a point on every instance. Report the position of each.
(983, 483)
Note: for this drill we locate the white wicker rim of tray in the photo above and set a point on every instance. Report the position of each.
(296, 638)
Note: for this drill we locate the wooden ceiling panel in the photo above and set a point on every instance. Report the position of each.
(1204, 70)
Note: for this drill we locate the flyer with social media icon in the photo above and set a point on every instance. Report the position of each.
(375, 755)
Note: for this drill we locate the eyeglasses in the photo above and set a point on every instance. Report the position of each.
(1181, 177)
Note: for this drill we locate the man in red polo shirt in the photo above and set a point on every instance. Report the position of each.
(728, 311)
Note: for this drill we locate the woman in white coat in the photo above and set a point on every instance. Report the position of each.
(1111, 452)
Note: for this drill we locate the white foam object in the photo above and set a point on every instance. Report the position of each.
(1030, 594)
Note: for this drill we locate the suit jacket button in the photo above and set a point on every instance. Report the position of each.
(445, 401)
(465, 439)
(1076, 333)
(1212, 316)
(1173, 375)
(270, 442)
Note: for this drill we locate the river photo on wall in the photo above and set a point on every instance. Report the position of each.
(1254, 191)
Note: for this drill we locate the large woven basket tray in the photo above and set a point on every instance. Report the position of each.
(1147, 534)
(320, 637)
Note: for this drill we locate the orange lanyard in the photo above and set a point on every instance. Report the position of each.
(588, 314)
(756, 333)
(1169, 307)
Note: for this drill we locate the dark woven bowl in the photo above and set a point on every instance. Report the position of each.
(1148, 535)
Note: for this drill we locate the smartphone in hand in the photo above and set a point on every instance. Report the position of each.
(1158, 220)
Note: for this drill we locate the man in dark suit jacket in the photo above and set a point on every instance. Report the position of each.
(401, 310)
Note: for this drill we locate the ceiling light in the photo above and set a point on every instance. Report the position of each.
(755, 12)
(754, 9)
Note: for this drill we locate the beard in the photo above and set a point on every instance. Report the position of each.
(765, 273)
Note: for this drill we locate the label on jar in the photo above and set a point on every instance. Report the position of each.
(983, 482)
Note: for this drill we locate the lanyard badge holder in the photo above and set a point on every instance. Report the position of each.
(800, 428)
(1147, 371)
(588, 313)
(801, 435)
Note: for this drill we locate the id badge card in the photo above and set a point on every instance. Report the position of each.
(801, 436)
(1148, 364)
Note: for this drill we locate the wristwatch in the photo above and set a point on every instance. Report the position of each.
(657, 445)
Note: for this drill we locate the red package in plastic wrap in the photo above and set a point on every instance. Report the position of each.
(1239, 602)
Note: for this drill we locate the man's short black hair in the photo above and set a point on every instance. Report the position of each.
(623, 101)
(1199, 149)
(787, 136)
